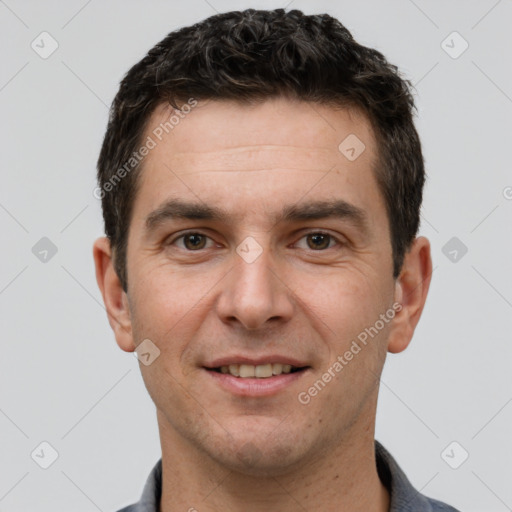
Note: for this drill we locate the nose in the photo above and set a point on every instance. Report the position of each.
(255, 293)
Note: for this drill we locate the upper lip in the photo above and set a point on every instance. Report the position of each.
(255, 361)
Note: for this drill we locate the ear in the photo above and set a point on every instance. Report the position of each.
(114, 297)
(411, 288)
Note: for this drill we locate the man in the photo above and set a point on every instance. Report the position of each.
(261, 180)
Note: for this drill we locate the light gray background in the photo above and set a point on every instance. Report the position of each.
(63, 379)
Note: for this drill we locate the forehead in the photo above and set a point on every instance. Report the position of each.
(226, 152)
(275, 129)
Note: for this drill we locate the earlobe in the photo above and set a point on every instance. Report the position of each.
(411, 290)
(114, 297)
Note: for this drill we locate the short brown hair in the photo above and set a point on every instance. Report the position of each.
(252, 55)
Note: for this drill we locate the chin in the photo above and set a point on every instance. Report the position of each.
(250, 460)
(261, 455)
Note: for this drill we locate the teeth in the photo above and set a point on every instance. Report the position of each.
(277, 369)
(247, 370)
(261, 371)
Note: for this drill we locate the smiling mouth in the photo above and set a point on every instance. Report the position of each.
(261, 371)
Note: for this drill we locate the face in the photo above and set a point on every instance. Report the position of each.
(256, 244)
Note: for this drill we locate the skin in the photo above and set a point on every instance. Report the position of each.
(219, 451)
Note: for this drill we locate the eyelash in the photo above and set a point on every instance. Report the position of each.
(316, 232)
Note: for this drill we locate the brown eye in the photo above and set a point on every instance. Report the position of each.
(194, 241)
(191, 241)
(318, 241)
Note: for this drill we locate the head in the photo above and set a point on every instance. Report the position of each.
(245, 119)
(248, 57)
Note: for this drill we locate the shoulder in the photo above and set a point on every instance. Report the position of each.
(438, 506)
(404, 497)
(150, 499)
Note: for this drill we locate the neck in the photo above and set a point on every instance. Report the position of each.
(343, 479)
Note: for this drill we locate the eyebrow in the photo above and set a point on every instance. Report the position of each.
(313, 210)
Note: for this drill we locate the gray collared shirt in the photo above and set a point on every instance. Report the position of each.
(404, 497)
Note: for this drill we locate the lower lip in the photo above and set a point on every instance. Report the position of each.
(253, 387)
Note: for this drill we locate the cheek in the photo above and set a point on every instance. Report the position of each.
(162, 295)
(345, 300)
(348, 307)
(164, 310)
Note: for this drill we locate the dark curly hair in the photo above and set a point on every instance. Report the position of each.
(249, 56)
